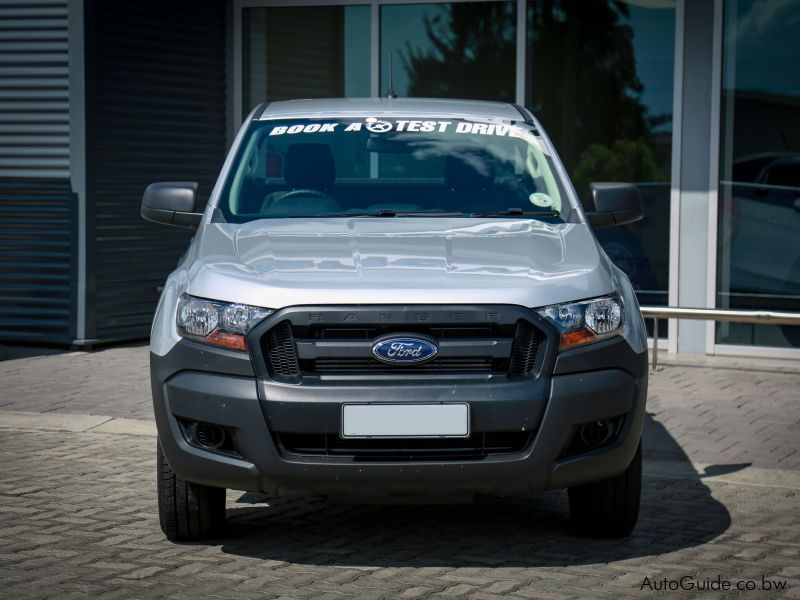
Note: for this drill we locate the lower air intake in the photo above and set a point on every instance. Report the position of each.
(475, 447)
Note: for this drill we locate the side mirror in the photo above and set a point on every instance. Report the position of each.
(611, 204)
(172, 203)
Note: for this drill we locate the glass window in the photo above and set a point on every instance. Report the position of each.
(758, 257)
(304, 52)
(393, 167)
(462, 50)
(600, 79)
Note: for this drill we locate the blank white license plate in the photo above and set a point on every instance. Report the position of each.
(405, 420)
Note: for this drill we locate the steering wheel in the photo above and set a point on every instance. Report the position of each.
(307, 193)
(310, 195)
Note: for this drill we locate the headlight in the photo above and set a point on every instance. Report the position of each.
(586, 321)
(217, 323)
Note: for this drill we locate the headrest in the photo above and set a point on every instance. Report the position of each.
(309, 166)
(469, 170)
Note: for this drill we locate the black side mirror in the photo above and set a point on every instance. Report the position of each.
(172, 203)
(611, 204)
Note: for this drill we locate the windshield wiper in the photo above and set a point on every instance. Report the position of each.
(430, 213)
(384, 212)
(378, 213)
(517, 212)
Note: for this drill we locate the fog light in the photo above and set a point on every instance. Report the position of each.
(207, 436)
(597, 433)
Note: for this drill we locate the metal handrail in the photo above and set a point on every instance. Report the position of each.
(765, 317)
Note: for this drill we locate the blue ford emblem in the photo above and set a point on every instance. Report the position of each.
(404, 350)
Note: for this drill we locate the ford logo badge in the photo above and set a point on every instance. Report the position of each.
(404, 350)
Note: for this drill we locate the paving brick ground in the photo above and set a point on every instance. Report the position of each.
(725, 411)
(78, 518)
(112, 381)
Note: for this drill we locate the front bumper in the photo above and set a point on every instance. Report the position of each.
(604, 381)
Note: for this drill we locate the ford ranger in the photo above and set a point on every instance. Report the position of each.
(396, 299)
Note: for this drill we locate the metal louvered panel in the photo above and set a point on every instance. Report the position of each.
(305, 52)
(159, 92)
(37, 207)
(34, 90)
(35, 260)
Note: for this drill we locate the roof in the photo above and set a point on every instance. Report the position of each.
(395, 107)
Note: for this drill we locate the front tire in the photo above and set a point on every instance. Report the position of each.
(610, 507)
(186, 510)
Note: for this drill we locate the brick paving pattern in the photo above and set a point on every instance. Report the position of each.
(77, 516)
(737, 414)
(78, 509)
(114, 382)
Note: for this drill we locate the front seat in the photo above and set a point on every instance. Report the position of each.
(468, 176)
(305, 167)
(468, 171)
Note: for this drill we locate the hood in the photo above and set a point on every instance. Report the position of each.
(285, 262)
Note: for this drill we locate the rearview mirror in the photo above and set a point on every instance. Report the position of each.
(611, 204)
(172, 203)
(387, 144)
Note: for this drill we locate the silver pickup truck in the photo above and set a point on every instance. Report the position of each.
(396, 299)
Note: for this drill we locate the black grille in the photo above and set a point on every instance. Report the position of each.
(281, 351)
(526, 345)
(475, 447)
(297, 350)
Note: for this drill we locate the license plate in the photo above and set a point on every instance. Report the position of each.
(405, 420)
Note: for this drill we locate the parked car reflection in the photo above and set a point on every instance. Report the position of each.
(760, 236)
(641, 249)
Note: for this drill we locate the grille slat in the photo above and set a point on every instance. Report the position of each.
(345, 365)
(474, 447)
(526, 345)
(367, 333)
(282, 352)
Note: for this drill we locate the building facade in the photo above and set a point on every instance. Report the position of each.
(697, 101)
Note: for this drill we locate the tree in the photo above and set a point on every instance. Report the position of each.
(582, 75)
(471, 53)
(625, 160)
(582, 80)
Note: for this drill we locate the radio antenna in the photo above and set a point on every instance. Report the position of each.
(390, 92)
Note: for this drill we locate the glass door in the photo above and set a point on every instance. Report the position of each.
(758, 259)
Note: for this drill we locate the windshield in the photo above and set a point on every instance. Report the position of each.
(369, 167)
